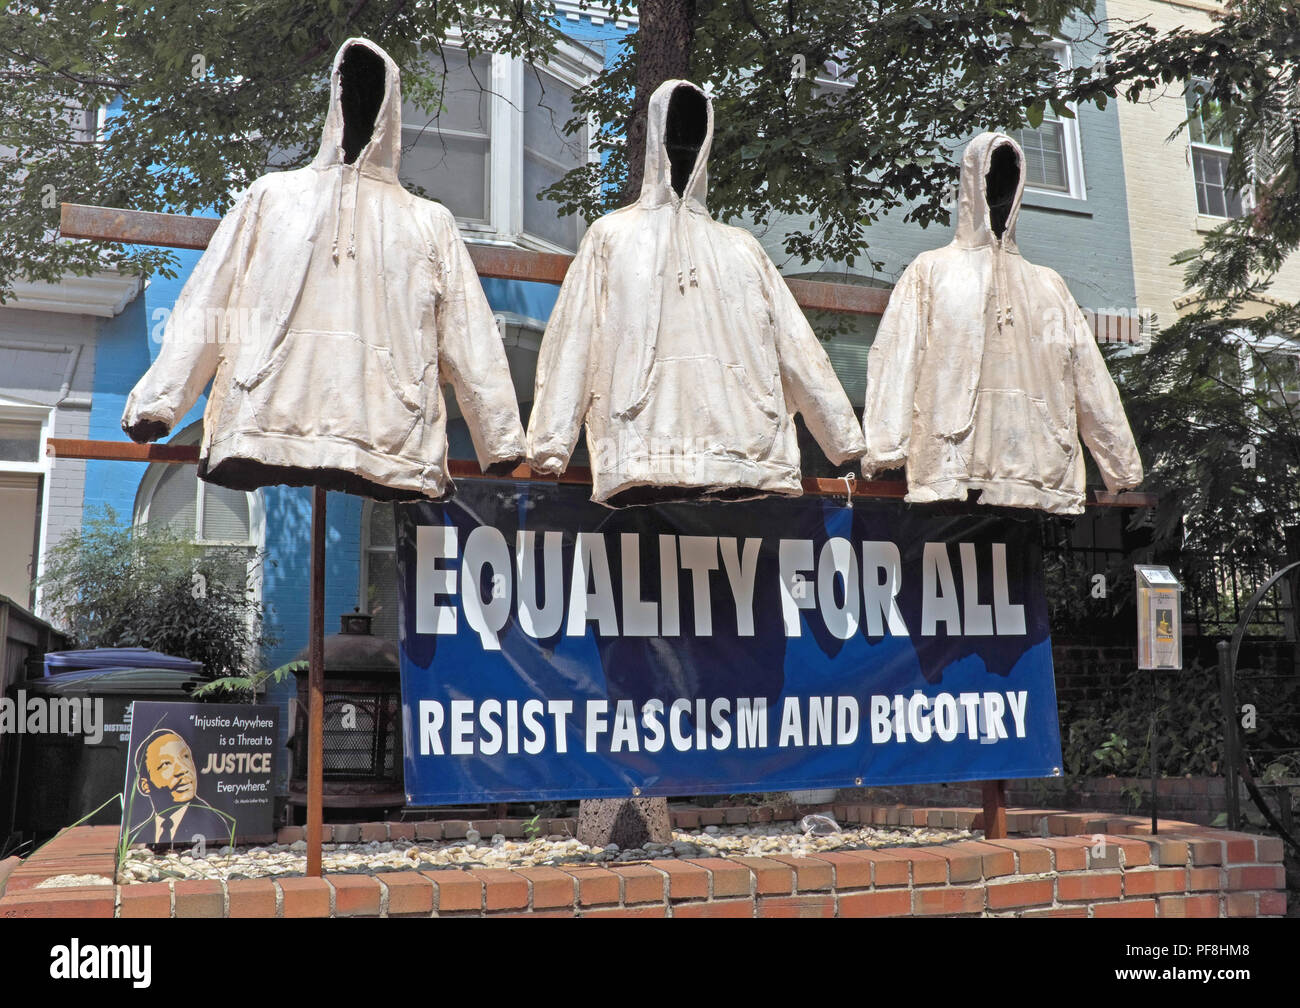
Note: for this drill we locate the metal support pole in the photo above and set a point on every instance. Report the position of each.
(1231, 757)
(995, 810)
(316, 686)
(1151, 753)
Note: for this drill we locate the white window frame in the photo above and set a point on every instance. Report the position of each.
(1245, 196)
(573, 65)
(1071, 144)
(26, 412)
(1249, 348)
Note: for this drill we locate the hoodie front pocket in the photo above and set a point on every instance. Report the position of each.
(1015, 438)
(319, 383)
(697, 404)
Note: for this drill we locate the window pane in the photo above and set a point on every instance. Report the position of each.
(381, 571)
(229, 566)
(466, 97)
(19, 441)
(1203, 116)
(1213, 198)
(540, 216)
(452, 170)
(1277, 373)
(225, 514)
(20, 496)
(175, 500)
(451, 167)
(381, 526)
(548, 106)
(1045, 155)
(381, 592)
(548, 154)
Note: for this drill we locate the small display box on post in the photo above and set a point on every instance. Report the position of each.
(1160, 622)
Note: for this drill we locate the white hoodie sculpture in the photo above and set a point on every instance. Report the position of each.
(328, 309)
(677, 341)
(984, 372)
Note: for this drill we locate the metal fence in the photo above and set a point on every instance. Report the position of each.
(1088, 566)
(1217, 590)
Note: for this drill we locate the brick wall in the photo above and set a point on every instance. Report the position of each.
(1081, 866)
(1087, 671)
(1191, 799)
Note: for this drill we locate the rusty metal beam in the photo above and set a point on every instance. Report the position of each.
(852, 299)
(316, 686)
(135, 227)
(121, 451)
(995, 809)
(516, 264)
(139, 227)
(127, 451)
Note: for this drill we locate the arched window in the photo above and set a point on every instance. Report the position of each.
(230, 521)
(379, 568)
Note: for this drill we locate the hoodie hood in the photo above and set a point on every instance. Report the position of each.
(363, 109)
(678, 118)
(993, 164)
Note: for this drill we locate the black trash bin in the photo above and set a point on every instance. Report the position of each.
(60, 778)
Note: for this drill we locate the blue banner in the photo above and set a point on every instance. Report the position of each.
(553, 648)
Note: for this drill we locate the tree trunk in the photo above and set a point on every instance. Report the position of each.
(663, 53)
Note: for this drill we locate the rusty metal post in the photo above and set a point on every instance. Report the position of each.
(1231, 757)
(995, 809)
(316, 686)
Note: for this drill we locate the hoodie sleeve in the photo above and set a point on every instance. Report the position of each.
(891, 377)
(812, 388)
(473, 358)
(193, 336)
(562, 394)
(1102, 424)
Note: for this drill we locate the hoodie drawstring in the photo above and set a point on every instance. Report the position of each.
(1001, 289)
(352, 230)
(677, 227)
(338, 214)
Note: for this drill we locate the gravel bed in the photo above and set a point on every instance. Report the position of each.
(277, 860)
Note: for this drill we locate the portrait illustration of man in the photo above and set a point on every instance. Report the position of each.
(1164, 623)
(165, 774)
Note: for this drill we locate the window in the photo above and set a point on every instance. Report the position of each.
(548, 155)
(22, 484)
(447, 151)
(1053, 158)
(1276, 368)
(20, 440)
(498, 141)
(1211, 148)
(228, 521)
(379, 568)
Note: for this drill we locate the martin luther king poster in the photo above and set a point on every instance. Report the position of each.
(200, 774)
